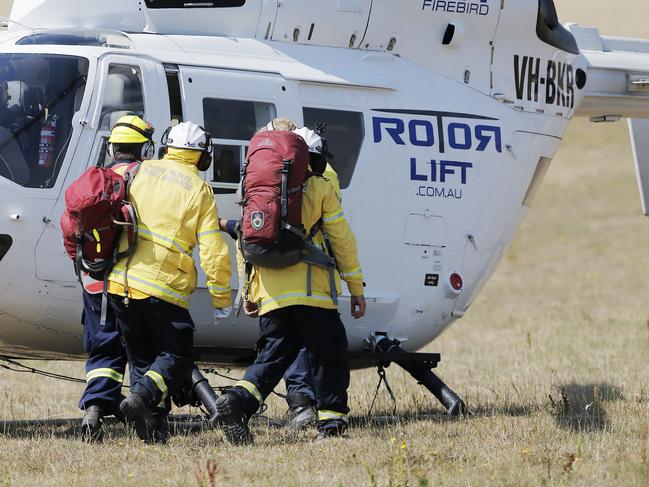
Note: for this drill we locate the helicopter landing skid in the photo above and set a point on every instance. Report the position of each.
(418, 365)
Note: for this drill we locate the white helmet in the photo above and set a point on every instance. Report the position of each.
(188, 135)
(312, 139)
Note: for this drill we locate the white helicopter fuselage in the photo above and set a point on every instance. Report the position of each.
(442, 139)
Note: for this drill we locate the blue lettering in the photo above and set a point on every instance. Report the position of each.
(433, 192)
(447, 168)
(413, 171)
(482, 133)
(397, 129)
(452, 136)
(429, 141)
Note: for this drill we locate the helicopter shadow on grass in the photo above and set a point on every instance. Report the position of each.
(387, 418)
(70, 428)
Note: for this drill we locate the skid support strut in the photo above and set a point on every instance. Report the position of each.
(197, 391)
(424, 375)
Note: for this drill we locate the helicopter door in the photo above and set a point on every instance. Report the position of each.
(124, 85)
(232, 106)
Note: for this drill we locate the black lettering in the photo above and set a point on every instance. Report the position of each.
(550, 86)
(473, 8)
(484, 9)
(571, 87)
(461, 7)
(519, 75)
(533, 79)
(441, 5)
(561, 83)
(427, 3)
(451, 7)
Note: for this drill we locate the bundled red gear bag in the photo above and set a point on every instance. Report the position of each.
(97, 209)
(273, 177)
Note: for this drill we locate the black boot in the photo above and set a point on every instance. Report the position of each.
(232, 419)
(331, 428)
(136, 411)
(301, 413)
(160, 429)
(92, 423)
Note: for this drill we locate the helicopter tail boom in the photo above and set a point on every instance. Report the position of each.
(618, 75)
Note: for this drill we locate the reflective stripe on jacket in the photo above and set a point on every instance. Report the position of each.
(176, 210)
(278, 288)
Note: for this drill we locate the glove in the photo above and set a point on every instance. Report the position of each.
(221, 313)
(232, 227)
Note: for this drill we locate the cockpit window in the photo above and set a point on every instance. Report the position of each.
(39, 95)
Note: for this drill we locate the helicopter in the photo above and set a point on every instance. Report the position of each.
(443, 117)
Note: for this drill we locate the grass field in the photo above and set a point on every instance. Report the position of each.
(552, 359)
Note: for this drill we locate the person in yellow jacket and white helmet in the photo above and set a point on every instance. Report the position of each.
(297, 307)
(149, 291)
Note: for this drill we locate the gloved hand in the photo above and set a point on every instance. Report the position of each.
(232, 227)
(221, 313)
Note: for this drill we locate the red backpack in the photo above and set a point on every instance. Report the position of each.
(96, 211)
(273, 177)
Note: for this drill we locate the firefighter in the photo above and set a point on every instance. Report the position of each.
(300, 394)
(130, 141)
(297, 308)
(150, 290)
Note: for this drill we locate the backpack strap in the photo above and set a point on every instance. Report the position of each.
(130, 215)
(286, 169)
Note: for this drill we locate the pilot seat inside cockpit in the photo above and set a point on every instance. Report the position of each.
(39, 95)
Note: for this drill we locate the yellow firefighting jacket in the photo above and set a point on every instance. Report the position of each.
(278, 288)
(176, 210)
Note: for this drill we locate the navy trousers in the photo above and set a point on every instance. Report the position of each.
(299, 384)
(159, 339)
(106, 355)
(283, 333)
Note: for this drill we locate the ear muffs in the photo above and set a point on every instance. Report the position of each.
(147, 152)
(205, 161)
(318, 163)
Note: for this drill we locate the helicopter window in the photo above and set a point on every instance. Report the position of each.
(39, 95)
(232, 124)
(344, 132)
(123, 94)
(74, 38)
(175, 98)
(195, 4)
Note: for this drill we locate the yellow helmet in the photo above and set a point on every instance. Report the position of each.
(131, 129)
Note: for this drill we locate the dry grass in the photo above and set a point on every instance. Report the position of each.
(553, 360)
